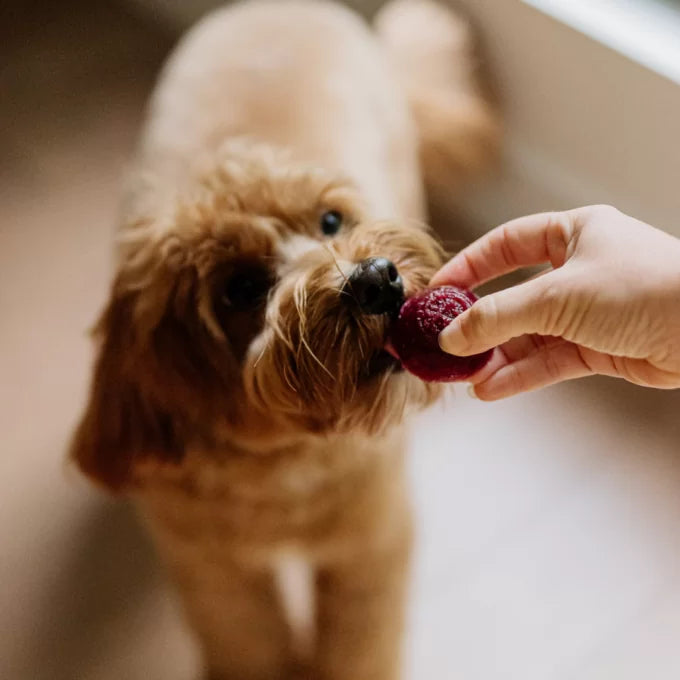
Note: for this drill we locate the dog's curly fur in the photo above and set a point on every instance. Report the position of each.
(247, 426)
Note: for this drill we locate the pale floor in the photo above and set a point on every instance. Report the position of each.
(549, 525)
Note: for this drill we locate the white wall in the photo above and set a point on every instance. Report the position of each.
(585, 124)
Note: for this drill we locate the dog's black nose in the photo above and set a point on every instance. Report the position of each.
(376, 287)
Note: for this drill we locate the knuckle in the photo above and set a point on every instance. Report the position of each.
(483, 316)
(467, 326)
(559, 232)
(555, 218)
(551, 294)
(517, 381)
(603, 211)
(550, 309)
(560, 222)
(472, 265)
(552, 365)
(507, 237)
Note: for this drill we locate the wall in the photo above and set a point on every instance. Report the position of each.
(585, 124)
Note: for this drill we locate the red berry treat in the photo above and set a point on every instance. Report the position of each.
(414, 335)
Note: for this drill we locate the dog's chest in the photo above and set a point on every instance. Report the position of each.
(251, 505)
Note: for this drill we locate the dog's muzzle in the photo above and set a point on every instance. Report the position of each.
(375, 287)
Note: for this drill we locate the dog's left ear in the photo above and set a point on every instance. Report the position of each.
(123, 421)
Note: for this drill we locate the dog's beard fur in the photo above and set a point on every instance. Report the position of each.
(318, 363)
(182, 364)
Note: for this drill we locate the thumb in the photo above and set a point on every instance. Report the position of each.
(499, 317)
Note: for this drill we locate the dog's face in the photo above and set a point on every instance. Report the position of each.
(254, 309)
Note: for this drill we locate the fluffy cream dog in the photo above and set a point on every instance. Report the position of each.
(242, 394)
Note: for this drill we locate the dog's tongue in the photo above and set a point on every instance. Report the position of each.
(389, 347)
(414, 336)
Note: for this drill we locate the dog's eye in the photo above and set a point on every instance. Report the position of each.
(331, 222)
(246, 289)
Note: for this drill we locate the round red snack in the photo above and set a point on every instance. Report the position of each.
(414, 335)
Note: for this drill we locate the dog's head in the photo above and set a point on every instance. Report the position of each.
(252, 310)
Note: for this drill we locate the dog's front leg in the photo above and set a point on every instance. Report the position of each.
(361, 606)
(243, 629)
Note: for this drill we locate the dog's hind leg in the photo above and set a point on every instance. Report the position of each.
(432, 48)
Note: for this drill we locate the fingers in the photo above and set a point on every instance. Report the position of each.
(523, 242)
(531, 362)
(550, 363)
(493, 320)
(511, 351)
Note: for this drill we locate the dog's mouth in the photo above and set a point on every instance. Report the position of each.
(380, 363)
(384, 360)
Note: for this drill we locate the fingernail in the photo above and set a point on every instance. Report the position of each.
(451, 339)
(471, 392)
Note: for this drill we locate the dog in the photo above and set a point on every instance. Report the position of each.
(242, 393)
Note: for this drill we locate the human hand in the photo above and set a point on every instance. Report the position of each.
(610, 304)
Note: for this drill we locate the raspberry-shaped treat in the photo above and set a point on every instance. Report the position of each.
(414, 335)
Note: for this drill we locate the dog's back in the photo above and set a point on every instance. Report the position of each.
(306, 75)
(310, 76)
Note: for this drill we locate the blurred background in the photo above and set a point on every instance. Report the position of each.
(548, 526)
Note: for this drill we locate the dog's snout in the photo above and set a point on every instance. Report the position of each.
(376, 286)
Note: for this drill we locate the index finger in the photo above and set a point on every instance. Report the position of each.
(522, 242)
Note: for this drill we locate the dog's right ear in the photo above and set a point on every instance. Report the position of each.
(122, 422)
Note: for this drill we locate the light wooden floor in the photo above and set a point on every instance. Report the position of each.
(549, 526)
